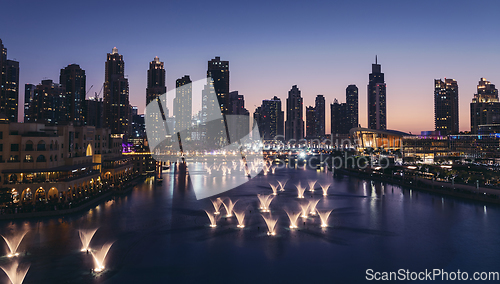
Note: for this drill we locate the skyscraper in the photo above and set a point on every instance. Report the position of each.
(310, 122)
(29, 94)
(319, 107)
(116, 95)
(238, 126)
(344, 116)
(9, 86)
(294, 126)
(446, 106)
(377, 116)
(73, 79)
(485, 106)
(219, 71)
(93, 112)
(183, 103)
(351, 93)
(270, 119)
(156, 80)
(48, 104)
(339, 118)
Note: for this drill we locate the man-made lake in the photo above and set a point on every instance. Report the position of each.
(161, 235)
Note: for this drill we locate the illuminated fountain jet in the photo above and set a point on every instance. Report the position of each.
(240, 216)
(13, 242)
(312, 206)
(300, 190)
(229, 205)
(324, 218)
(271, 225)
(85, 237)
(282, 184)
(15, 273)
(293, 219)
(274, 188)
(304, 209)
(311, 185)
(325, 189)
(213, 219)
(216, 203)
(100, 256)
(273, 170)
(265, 201)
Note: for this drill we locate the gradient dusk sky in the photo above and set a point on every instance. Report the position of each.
(321, 46)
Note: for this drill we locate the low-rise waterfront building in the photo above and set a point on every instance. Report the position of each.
(41, 163)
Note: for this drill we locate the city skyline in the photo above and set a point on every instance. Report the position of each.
(323, 62)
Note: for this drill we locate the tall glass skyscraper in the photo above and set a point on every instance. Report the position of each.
(485, 106)
(9, 86)
(219, 72)
(116, 95)
(446, 106)
(377, 115)
(294, 125)
(73, 79)
(156, 80)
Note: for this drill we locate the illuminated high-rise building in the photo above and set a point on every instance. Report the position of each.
(219, 72)
(9, 86)
(485, 106)
(73, 79)
(183, 103)
(294, 125)
(156, 80)
(377, 114)
(48, 104)
(310, 122)
(446, 106)
(319, 111)
(344, 116)
(351, 94)
(116, 107)
(29, 94)
(239, 125)
(270, 118)
(339, 118)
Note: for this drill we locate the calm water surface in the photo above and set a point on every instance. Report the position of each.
(161, 235)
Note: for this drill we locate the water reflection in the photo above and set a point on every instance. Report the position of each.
(164, 225)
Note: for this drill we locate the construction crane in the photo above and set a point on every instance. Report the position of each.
(88, 91)
(97, 95)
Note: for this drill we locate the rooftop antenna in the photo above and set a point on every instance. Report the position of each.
(375, 59)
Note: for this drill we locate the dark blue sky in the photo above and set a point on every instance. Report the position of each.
(321, 46)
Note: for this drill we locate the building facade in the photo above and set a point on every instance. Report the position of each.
(73, 81)
(446, 106)
(485, 106)
(377, 113)
(116, 95)
(270, 119)
(310, 122)
(352, 105)
(156, 80)
(319, 107)
(218, 70)
(239, 125)
(9, 86)
(41, 163)
(47, 103)
(294, 125)
(183, 105)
